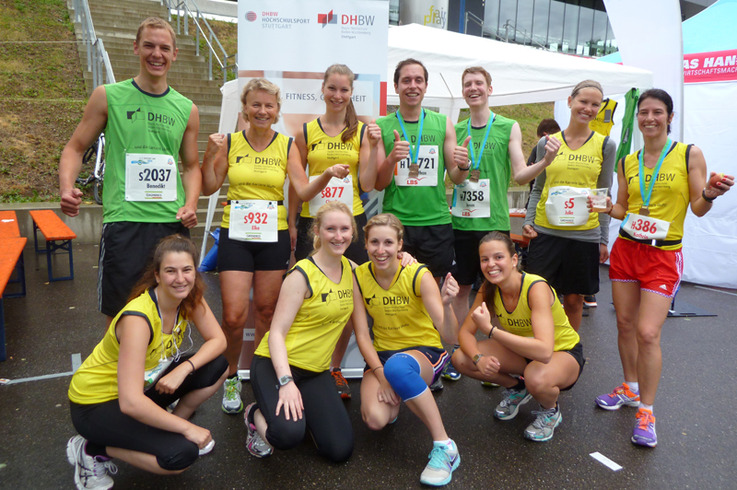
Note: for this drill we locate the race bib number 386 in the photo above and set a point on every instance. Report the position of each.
(150, 177)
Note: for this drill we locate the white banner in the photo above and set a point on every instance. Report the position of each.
(649, 36)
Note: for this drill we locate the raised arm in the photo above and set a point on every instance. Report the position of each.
(304, 188)
(696, 179)
(439, 306)
(385, 173)
(371, 153)
(214, 163)
(521, 173)
(456, 156)
(92, 124)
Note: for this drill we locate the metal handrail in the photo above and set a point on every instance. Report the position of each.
(187, 9)
(98, 61)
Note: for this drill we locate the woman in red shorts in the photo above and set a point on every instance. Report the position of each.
(656, 186)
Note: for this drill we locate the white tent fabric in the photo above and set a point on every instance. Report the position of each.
(520, 74)
(710, 242)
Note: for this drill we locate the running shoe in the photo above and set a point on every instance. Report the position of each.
(443, 460)
(489, 384)
(509, 406)
(449, 371)
(437, 385)
(622, 395)
(341, 384)
(542, 428)
(208, 448)
(254, 443)
(90, 472)
(644, 431)
(589, 301)
(232, 402)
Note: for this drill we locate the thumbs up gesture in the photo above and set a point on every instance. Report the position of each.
(460, 154)
(400, 150)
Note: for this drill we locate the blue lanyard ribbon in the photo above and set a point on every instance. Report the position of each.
(412, 155)
(476, 159)
(647, 193)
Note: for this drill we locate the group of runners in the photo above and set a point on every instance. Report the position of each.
(411, 268)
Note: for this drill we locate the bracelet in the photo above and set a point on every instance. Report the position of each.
(464, 169)
(491, 332)
(707, 199)
(193, 368)
(374, 369)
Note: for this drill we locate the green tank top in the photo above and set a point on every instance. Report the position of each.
(418, 205)
(495, 166)
(146, 130)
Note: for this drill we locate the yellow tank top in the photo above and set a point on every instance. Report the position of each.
(324, 151)
(257, 175)
(573, 168)
(96, 381)
(320, 320)
(400, 317)
(670, 197)
(604, 120)
(518, 321)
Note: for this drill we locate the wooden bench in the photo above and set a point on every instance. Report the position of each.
(11, 253)
(9, 230)
(58, 237)
(519, 240)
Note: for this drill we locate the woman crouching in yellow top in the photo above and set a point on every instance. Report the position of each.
(406, 355)
(532, 338)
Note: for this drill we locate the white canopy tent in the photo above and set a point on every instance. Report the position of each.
(520, 74)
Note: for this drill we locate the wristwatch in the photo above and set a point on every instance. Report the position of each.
(477, 358)
(284, 380)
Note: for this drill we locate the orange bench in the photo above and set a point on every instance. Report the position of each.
(58, 237)
(11, 254)
(9, 230)
(520, 240)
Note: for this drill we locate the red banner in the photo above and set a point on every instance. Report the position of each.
(716, 66)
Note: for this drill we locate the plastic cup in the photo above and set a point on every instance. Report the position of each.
(598, 199)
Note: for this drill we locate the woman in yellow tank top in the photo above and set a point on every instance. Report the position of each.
(120, 394)
(531, 349)
(337, 136)
(254, 244)
(656, 186)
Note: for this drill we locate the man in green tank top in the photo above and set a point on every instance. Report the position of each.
(148, 127)
(479, 203)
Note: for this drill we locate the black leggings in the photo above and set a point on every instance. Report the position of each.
(324, 414)
(104, 425)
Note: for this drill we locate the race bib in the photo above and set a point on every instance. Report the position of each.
(471, 199)
(337, 190)
(567, 206)
(427, 169)
(150, 177)
(254, 221)
(151, 376)
(645, 227)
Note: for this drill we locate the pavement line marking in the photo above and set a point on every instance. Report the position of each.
(605, 461)
(716, 290)
(76, 362)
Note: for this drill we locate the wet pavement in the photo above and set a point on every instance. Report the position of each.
(57, 323)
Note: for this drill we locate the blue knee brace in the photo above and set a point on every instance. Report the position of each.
(403, 373)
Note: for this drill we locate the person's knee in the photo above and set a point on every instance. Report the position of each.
(178, 457)
(234, 319)
(339, 450)
(286, 434)
(265, 310)
(648, 337)
(373, 418)
(403, 373)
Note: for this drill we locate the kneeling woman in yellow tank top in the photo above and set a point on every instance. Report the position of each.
(531, 348)
(406, 356)
(120, 394)
(290, 374)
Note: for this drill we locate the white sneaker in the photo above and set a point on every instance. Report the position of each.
(90, 472)
(232, 402)
(443, 460)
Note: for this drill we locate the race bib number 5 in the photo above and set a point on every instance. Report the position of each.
(150, 177)
(427, 169)
(645, 227)
(254, 221)
(337, 190)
